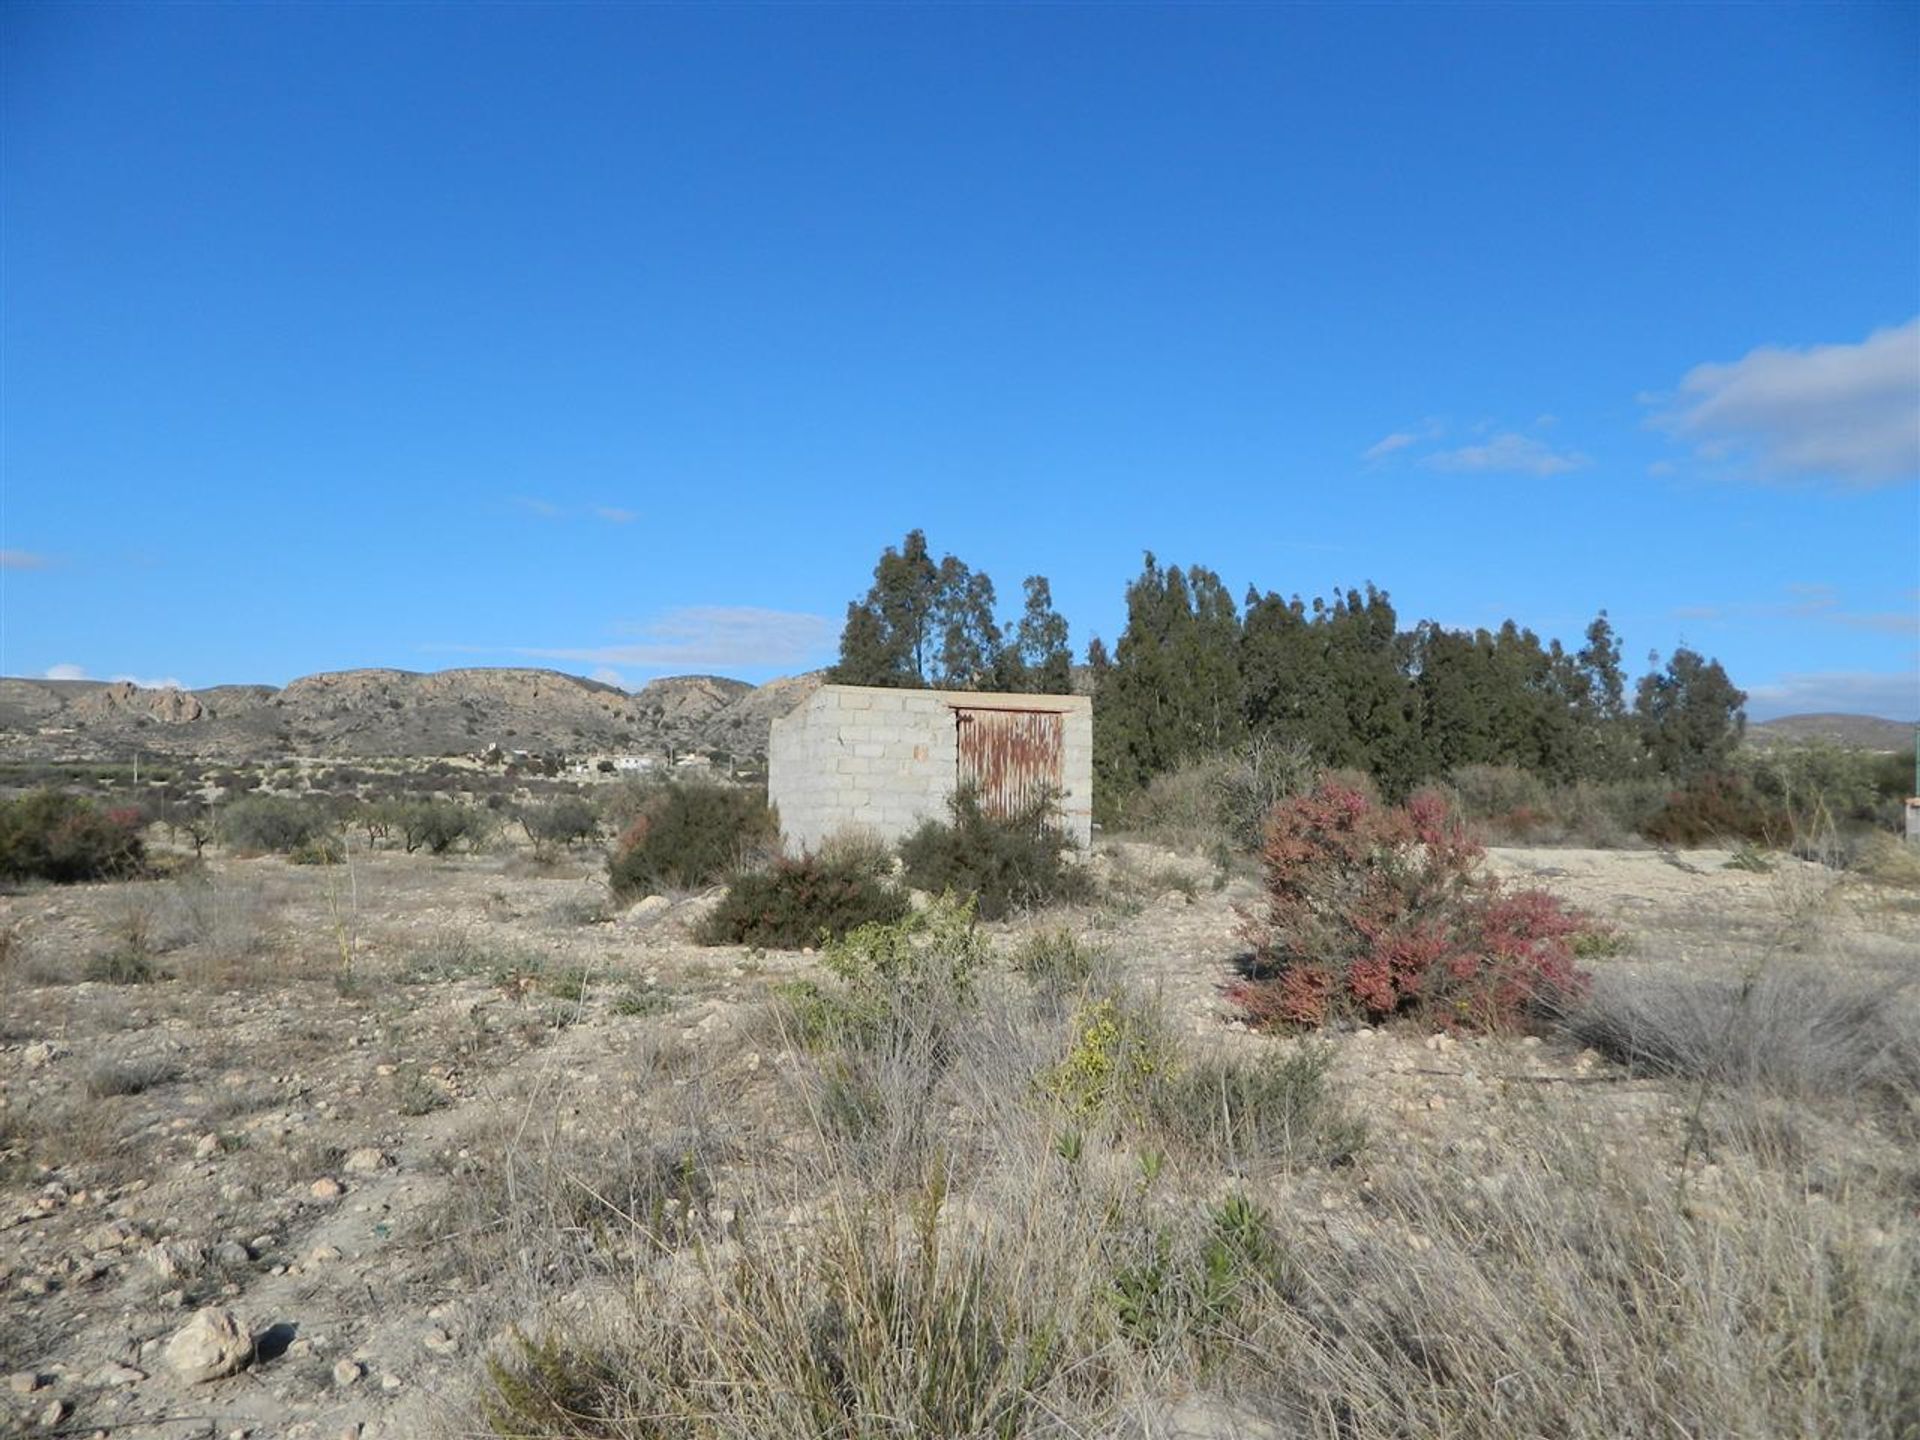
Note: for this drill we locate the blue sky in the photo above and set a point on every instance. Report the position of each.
(622, 338)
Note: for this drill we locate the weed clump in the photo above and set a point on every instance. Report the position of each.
(1009, 863)
(274, 823)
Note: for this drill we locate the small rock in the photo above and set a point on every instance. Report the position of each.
(648, 908)
(439, 1341)
(326, 1188)
(348, 1372)
(365, 1160)
(43, 1053)
(1436, 1102)
(391, 1383)
(206, 1147)
(24, 1383)
(212, 1344)
(176, 1260)
(116, 1375)
(232, 1252)
(55, 1413)
(322, 1255)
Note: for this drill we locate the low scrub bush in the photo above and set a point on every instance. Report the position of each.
(799, 902)
(274, 823)
(1887, 859)
(1256, 777)
(1008, 862)
(1223, 798)
(1375, 911)
(687, 835)
(51, 835)
(563, 820)
(436, 826)
(923, 966)
(1719, 809)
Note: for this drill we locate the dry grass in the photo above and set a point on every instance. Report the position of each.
(952, 1249)
(1794, 1028)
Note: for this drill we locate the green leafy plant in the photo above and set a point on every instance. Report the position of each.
(799, 902)
(1008, 862)
(686, 835)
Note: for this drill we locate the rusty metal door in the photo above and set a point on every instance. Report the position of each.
(1011, 758)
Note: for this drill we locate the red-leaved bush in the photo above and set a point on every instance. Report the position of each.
(1374, 911)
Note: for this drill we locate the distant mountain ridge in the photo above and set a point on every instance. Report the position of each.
(394, 713)
(424, 714)
(1868, 732)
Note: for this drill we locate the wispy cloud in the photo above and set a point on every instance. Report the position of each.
(1387, 444)
(22, 560)
(1894, 694)
(1848, 414)
(551, 510)
(67, 670)
(694, 637)
(607, 675)
(1508, 453)
(1812, 602)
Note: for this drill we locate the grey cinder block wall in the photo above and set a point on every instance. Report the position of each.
(884, 760)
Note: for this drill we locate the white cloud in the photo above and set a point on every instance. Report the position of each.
(704, 637)
(1820, 603)
(22, 560)
(614, 515)
(67, 670)
(1893, 694)
(1385, 446)
(534, 505)
(1509, 453)
(607, 675)
(1845, 413)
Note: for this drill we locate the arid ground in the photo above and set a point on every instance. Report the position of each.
(389, 1114)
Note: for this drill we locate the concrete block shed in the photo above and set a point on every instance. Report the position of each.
(884, 760)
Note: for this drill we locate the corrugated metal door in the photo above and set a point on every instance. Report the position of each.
(1011, 757)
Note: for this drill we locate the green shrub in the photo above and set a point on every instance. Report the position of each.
(1008, 863)
(273, 823)
(563, 820)
(917, 972)
(1057, 962)
(51, 835)
(1117, 1052)
(688, 835)
(801, 902)
(325, 849)
(438, 825)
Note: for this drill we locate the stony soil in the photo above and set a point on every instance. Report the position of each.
(268, 1125)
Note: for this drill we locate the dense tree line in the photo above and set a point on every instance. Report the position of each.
(924, 624)
(1193, 673)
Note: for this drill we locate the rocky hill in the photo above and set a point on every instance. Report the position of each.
(1864, 732)
(367, 713)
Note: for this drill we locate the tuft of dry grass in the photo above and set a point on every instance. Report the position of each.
(1794, 1028)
